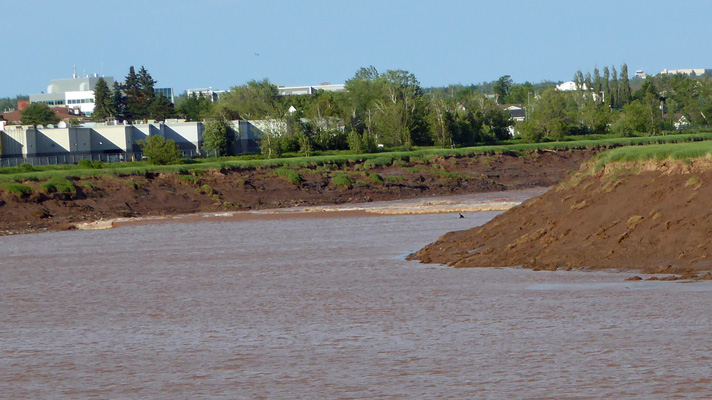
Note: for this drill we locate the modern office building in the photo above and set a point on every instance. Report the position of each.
(209, 93)
(306, 90)
(75, 93)
(78, 92)
(165, 92)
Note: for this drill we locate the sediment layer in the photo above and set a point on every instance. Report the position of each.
(654, 217)
(110, 196)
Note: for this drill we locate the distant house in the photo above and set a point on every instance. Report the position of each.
(516, 111)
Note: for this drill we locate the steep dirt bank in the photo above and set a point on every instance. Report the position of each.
(653, 217)
(243, 189)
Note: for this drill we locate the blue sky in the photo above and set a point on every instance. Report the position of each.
(212, 43)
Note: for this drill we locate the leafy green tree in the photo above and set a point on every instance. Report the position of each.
(323, 108)
(38, 114)
(195, 108)
(399, 114)
(103, 102)
(363, 90)
(625, 91)
(159, 150)
(519, 94)
(615, 96)
(597, 82)
(643, 115)
(579, 80)
(362, 142)
(551, 118)
(607, 86)
(269, 144)
(219, 135)
(256, 100)
(501, 88)
(440, 120)
(495, 123)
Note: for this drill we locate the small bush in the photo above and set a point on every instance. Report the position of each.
(341, 179)
(91, 164)
(61, 185)
(375, 178)
(374, 162)
(18, 189)
(90, 185)
(48, 187)
(394, 178)
(27, 167)
(135, 185)
(207, 189)
(291, 176)
(190, 179)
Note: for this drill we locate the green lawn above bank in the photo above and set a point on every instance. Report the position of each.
(625, 149)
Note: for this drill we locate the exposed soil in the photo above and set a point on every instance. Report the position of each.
(655, 218)
(110, 196)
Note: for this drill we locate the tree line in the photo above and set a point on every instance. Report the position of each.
(610, 103)
(392, 109)
(389, 109)
(133, 100)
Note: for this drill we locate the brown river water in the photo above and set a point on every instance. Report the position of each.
(322, 306)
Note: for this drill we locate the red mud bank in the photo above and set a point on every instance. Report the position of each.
(654, 218)
(110, 196)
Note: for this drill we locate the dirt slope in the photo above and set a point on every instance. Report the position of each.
(653, 217)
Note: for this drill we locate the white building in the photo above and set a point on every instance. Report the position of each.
(689, 71)
(569, 86)
(76, 93)
(305, 90)
(209, 93)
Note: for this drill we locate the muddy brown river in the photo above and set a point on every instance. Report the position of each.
(325, 306)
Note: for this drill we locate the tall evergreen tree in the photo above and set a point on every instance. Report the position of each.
(147, 93)
(118, 103)
(162, 108)
(102, 101)
(133, 93)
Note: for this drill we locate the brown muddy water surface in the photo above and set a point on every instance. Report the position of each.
(305, 307)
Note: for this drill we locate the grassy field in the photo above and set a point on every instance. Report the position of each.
(679, 151)
(692, 145)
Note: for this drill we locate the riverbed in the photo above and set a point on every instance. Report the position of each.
(324, 305)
